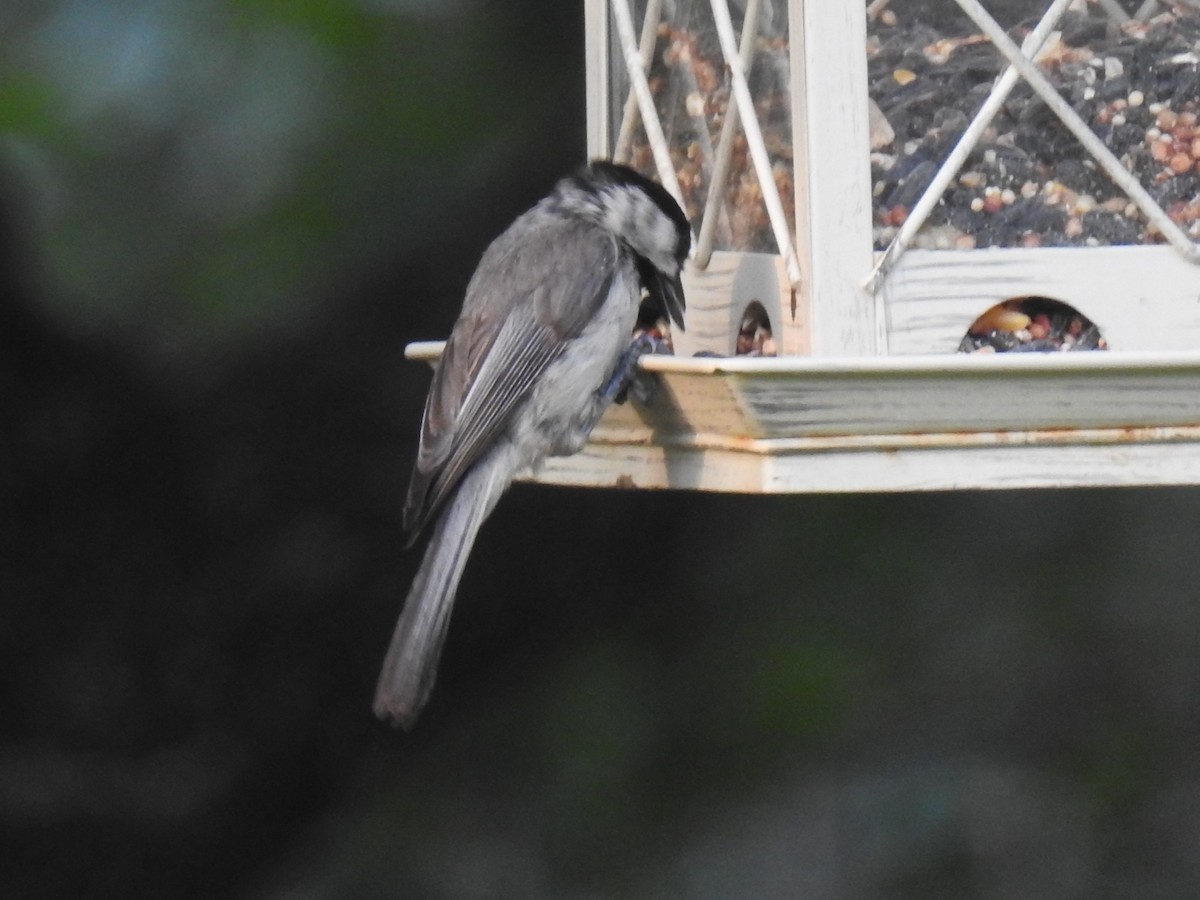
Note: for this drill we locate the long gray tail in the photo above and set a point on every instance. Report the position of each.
(410, 667)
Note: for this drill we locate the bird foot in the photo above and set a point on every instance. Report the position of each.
(626, 379)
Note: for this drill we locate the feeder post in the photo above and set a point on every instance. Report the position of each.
(597, 77)
(834, 239)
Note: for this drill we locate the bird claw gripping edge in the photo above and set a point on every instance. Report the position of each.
(625, 378)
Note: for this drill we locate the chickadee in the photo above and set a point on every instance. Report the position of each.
(542, 346)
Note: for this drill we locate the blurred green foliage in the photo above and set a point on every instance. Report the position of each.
(202, 173)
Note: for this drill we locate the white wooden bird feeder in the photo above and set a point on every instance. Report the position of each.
(827, 235)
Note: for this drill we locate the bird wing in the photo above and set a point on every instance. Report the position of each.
(534, 290)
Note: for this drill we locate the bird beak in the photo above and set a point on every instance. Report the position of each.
(672, 296)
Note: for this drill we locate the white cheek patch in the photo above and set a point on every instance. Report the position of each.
(621, 212)
(647, 229)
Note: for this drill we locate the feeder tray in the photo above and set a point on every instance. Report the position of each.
(902, 200)
(811, 425)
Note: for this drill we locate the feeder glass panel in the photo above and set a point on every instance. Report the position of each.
(1129, 70)
(691, 87)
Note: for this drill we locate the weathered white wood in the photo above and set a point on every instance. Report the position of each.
(709, 296)
(717, 297)
(906, 423)
(1108, 459)
(833, 179)
(597, 74)
(793, 330)
(1142, 298)
(796, 397)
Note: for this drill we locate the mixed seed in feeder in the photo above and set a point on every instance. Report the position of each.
(1028, 183)
(1032, 324)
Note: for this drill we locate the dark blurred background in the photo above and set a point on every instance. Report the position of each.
(220, 222)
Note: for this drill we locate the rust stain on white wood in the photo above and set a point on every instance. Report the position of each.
(925, 463)
(898, 424)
